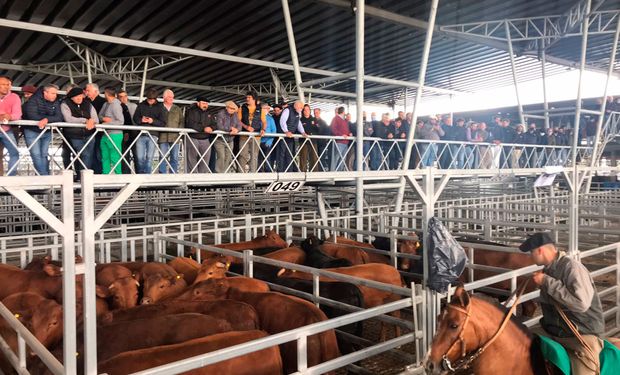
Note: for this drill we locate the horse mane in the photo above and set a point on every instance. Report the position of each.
(504, 311)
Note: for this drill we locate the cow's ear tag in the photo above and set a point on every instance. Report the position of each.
(178, 277)
(17, 316)
(294, 270)
(417, 245)
(227, 265)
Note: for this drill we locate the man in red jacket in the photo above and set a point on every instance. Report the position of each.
(340, 127)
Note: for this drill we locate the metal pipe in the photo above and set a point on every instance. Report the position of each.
(544, 83)
(328, 79)
(88, 250)
(359, 88)
(574, 198)
(416, 105)
(331, 92)
(397, 82)
(88, 67)
(601, 117)
(143, 83)
(291, 43)
(68, 275)
(514, 73)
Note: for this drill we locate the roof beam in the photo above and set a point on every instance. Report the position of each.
(449, 31)
(168, 48)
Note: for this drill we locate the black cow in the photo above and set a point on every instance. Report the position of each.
(316, 258)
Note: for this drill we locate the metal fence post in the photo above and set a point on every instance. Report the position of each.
(248, 263)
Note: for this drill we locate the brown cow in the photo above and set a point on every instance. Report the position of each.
(293, 254)
(263, 362)
(42, 316)
(119, 285)
(118, 337)
(372, 297)
(241, 316)
(47, 283)
(215, 269)
(159, 280)
(271, 240)
(278, 313)
(37, 263)
(187, 267)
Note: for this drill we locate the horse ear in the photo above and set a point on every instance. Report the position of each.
(461, 295)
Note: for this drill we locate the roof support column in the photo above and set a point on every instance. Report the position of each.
(514, 73)
(601, 117)
(291, 43)
(143, 83)
(544, 83)
(359, 88)
(416, 104)
(573, 217)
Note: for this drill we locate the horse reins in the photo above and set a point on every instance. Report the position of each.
(465, 361)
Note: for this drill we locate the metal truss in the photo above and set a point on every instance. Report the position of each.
(124, 69)
(536, 29)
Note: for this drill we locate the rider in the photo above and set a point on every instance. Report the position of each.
(567, 284)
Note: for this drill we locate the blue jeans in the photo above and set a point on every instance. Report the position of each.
(372, 155)
(457, 154)
(40, 150)
(145, 150)
(339, 157)
(6, 139)
(86, 156)
(173, 158)
(430, 155)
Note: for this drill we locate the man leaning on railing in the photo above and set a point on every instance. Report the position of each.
(10, 110)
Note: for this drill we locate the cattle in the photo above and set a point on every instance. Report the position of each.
(263, 244)
(317, 258)
(159, 280)
(42, 316)
(278, 313)
(403, 246)
(37, 263)
(214, 269)
(511, 260)
(337, 291)
(119, 285)
(372, 297)
(347, 249)
(293, 254)
(241, 316)
(123, 336)
(47, 282)
(187, 267)
(263, 362)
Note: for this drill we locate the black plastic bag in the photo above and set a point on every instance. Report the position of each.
(446, 257)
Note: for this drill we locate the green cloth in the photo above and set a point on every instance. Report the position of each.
(556, 354)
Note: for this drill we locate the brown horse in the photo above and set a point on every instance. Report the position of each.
(470, 338)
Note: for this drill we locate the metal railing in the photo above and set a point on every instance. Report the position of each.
(247, 152)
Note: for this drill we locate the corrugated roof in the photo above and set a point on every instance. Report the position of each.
(325, 37)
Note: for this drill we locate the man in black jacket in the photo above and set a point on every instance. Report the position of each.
(198, 144)
(149, 113)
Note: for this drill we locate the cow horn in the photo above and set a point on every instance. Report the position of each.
(137, 282)
(281, 272)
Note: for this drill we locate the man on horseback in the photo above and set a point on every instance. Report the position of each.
(567, 292)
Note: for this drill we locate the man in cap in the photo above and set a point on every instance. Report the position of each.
(198, 144)
(28, 91)
(149, 113)
(227, 121)
(76, 110)
(566, 285)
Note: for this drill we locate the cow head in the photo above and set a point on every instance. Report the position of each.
(123, 293)
(158, 287)
(275, 240)
(408, 247)
(214, 268)
(210, 290)
(46, 323)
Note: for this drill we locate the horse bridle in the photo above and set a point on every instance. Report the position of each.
(465, 361)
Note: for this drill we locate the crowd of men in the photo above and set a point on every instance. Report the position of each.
(216, 146)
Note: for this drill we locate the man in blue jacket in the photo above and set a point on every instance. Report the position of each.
(44, 107)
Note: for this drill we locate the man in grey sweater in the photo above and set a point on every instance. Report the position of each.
(111, 144)
(566, 284)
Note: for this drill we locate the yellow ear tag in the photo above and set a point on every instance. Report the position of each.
(227, 265)
(17, 315)
(178, 277)
(417, 245)
(294, 270)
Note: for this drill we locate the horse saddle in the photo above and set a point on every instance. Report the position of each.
(555, 353)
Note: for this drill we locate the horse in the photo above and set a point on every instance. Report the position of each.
(476, 335)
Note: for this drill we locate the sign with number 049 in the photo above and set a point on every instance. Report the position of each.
(284, 186)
